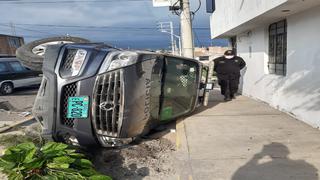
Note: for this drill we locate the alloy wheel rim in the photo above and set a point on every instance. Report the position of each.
(7, 89)
(41, 48)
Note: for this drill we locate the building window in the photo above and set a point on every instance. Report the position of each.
(211, 6)
(14, 42)
(278, 48)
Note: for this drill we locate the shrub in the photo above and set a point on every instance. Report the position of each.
(53, 161)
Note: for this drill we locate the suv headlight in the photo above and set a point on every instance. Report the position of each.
(78, 61)
(119, 60)
(72, 62)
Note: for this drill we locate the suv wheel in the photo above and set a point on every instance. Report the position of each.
(6, 88)
(31, 55)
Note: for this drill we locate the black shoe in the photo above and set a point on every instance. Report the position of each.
(233, 96)
(227, 99)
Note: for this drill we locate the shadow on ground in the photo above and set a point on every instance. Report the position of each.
(215, 99)
(273, 163)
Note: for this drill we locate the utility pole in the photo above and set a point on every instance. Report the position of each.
(185, 23)
(180, 47)
(163, 27)
(172, 40)
(13, 29)
(186, 29)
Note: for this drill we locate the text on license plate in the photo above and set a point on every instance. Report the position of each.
(78, 107)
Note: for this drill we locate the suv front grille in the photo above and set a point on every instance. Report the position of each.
(107, 106)
(69, 90)
(67, 61)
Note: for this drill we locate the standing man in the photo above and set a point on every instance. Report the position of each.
(228, 69)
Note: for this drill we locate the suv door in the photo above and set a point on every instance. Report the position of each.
(180, 88)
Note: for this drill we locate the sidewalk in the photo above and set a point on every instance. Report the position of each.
(246, 140)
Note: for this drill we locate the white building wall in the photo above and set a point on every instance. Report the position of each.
(232, 13)
(297, 93)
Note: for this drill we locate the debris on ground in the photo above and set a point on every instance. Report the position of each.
(15, 124)
(11, 115)
(25, 114)
(7, 106)
(150, 159)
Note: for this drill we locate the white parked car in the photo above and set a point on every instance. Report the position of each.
(14, 75)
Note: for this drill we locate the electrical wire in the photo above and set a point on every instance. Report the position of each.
(65, 1)
(26, 29)
(137, 33)
(198, 7)
(96, 27)
(194, 32)
(193, 13)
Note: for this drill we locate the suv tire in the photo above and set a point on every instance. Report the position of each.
(27, 56)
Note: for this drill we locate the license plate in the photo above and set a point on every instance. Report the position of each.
(78, 107)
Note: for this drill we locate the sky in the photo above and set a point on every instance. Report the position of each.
(121, 23)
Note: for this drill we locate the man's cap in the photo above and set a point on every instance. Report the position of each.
(229, 53)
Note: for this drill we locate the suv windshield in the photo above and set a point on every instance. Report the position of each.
(180, 88)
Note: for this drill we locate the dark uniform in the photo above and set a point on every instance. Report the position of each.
(228, 72)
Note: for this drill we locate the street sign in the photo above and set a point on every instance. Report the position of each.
(165, 3)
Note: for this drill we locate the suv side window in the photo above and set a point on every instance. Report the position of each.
(17, 67)
(3, 68)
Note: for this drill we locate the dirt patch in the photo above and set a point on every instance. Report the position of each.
(151, 159)
(22, 99)
(7, 106)
(30, 133)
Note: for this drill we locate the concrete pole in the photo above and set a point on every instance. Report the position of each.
(186, 29)
(13, 29)
(209, 81)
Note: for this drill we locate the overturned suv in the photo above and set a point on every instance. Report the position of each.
(95, 94)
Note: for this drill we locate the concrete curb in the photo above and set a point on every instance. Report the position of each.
(181, 138)
(185, 170)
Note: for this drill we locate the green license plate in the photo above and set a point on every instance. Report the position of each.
(78, 107)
